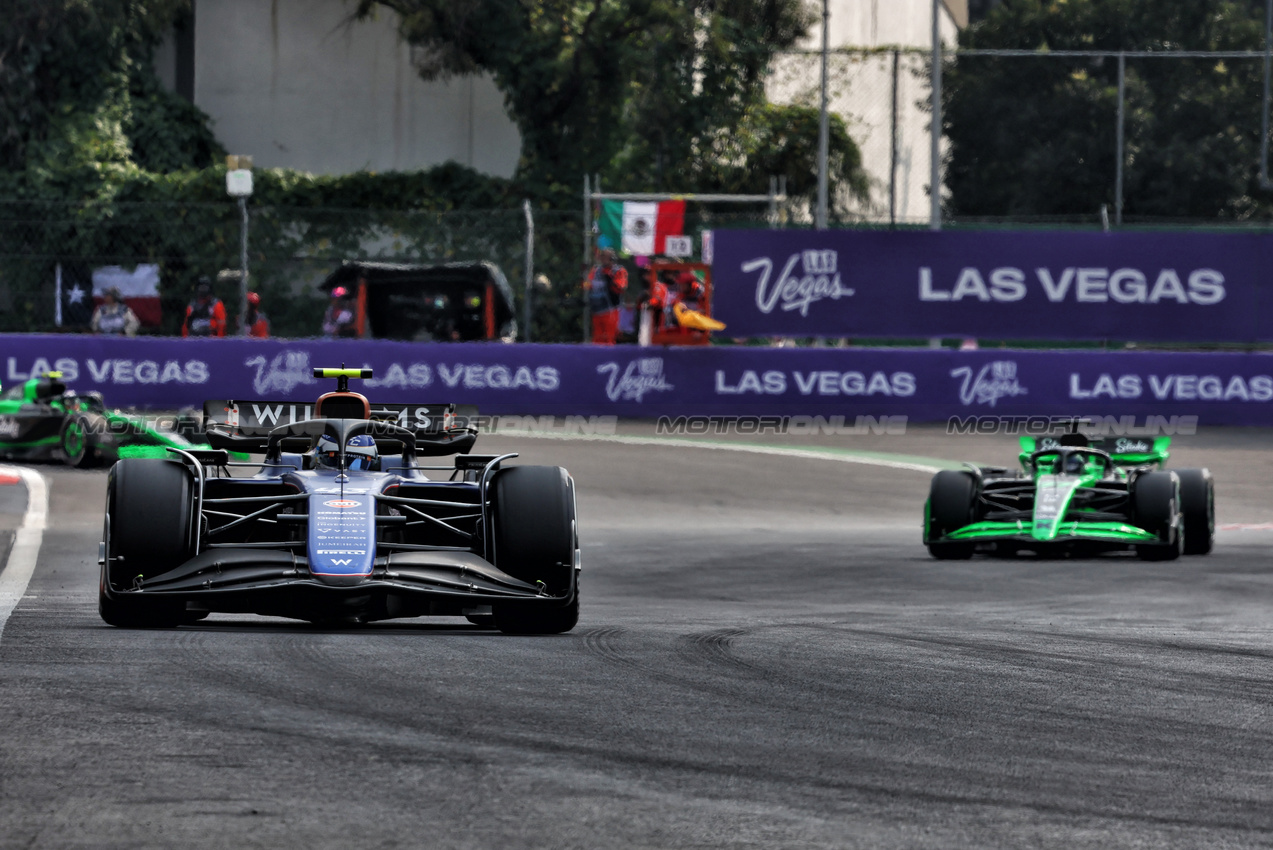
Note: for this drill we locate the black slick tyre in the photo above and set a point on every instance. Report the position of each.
(533, 529)
(149, 507)
(1155, 508)
(1197, 509)
(74, 442)
(951, 506)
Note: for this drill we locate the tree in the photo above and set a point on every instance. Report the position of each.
(1035, 136)
(654, 94)
(78, 92)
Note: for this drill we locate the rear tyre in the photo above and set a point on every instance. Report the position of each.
(74, 442)
(951, 506)
(1197, 509)
(533, 528)
(148, 532)
(1155, 508)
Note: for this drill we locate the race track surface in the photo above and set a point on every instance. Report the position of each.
(767, 657)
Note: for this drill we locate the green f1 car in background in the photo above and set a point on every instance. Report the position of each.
(1074, 495)
(40, 419)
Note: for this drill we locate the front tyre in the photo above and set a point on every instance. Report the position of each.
(1198, 509)
(74, 442)
(535, 539)
(149, 531)
(951, 506)
(1155, 505)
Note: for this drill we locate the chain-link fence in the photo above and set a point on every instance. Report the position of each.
(1063, 137)
(290, 251)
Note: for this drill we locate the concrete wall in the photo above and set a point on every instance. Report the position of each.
(294, 84)
(861, 92)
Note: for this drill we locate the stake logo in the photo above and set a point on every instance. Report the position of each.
(9, 426)
(994, 381)
(798, 291)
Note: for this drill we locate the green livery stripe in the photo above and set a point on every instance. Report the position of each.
(47, 441)
(143, 451)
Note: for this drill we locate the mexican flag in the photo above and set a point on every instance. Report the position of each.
(640, 227)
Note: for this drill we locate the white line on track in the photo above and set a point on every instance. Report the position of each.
(16, 574)
(839, 456)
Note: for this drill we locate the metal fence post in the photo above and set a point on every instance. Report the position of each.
(243, 268)
(892, 168)
(587, 255)
(934, 222)
(1118, 166)
(530, 263)
(1264, 104)
(820, 221)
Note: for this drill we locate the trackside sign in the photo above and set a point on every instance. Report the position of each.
(1123, 286)
(850, 386)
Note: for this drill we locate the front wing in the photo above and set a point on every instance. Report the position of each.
(1113, 533)
(278, 583)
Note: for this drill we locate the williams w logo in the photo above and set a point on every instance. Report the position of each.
(341, 562)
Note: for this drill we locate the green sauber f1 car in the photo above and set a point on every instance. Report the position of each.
(1074, 495)
(40, 419)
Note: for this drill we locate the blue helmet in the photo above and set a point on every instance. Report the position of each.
(360, 452)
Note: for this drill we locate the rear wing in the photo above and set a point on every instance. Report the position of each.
(1124, 451)
(245, 425)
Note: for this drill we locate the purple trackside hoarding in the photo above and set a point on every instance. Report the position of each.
(996, 285)
(920, 384)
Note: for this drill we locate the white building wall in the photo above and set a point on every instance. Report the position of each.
(295, 84)
(861, 92)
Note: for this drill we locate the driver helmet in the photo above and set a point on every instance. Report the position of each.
(1075, 464)
(360, 452)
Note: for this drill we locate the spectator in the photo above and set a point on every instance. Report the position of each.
(339, 318)
(689, 290)
(114, 317)
(605, 295)
(255, 321)
(205, 316)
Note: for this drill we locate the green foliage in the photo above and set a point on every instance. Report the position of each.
(99, 164)
(768, 139)
(77, 86)
(652, 94)
(1036, 136)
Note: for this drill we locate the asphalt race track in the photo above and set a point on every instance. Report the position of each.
(767, 658)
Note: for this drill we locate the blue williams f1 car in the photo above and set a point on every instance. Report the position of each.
(339, 522)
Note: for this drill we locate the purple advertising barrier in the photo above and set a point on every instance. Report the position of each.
(919, 384)
(996, 285)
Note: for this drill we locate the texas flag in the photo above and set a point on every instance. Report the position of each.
(139, 287)
(642, 227)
